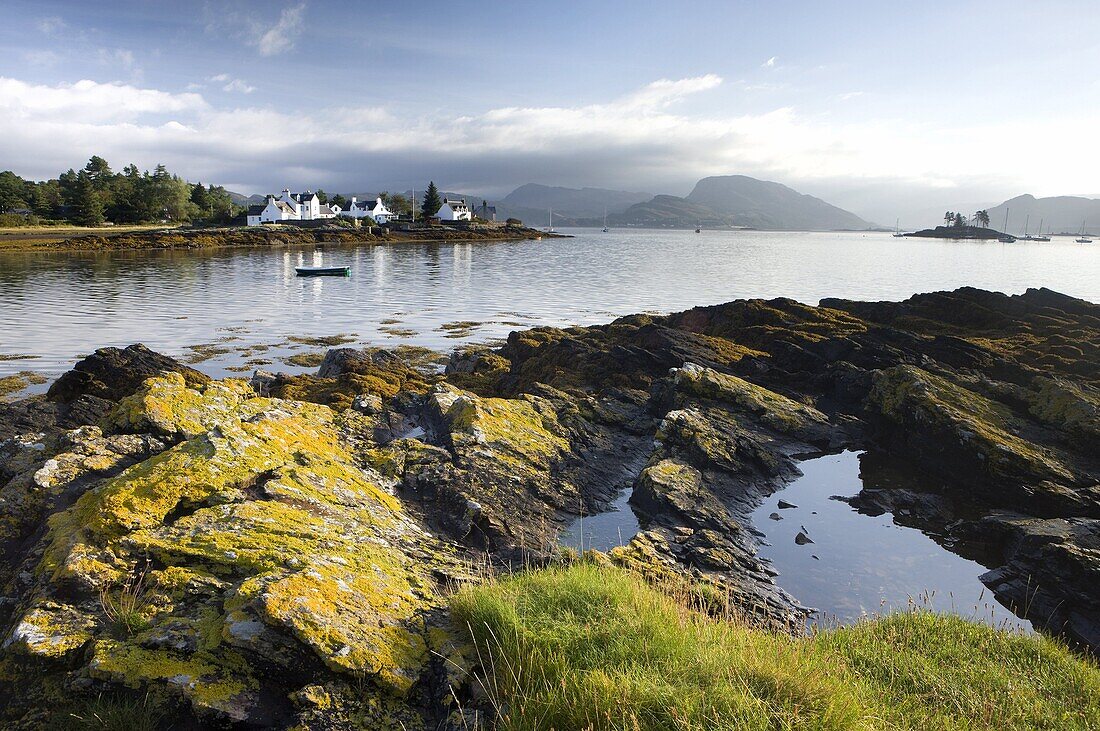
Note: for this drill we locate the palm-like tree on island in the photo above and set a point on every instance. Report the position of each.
(982, 218)
(949, 218)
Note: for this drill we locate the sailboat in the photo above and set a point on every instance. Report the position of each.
(605, 228)
(698, 227)
(550, 228)
(1083, 239)
(1005, 238)
(897, 230)
(1027, 225)
(1039, 236)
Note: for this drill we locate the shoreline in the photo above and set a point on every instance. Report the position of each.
(262, 237)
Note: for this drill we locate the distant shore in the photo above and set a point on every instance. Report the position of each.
(203, 238)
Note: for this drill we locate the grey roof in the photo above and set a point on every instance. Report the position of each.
(303, 197)
(257, 209)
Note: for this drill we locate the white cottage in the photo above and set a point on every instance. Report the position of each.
(454, 210)
(373, 209)
(290, 207)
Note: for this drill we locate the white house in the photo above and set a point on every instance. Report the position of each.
(373, 209)
(454, 211)
(290, 207)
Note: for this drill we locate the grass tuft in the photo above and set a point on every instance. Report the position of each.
(594, 647)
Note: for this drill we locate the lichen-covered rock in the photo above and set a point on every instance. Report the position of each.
(774, 410)
(167, 406)
(964, 429)
(113, 373)
(256, 541)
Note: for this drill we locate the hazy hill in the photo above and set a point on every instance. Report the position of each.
(669, 211)
(1058, 214)
(570, 202)
(767, 205)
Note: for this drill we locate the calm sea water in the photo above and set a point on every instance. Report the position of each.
(58, 307)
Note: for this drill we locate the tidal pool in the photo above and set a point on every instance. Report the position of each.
(855, 565)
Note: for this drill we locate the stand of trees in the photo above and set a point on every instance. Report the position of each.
(96, 194)
(954, 218)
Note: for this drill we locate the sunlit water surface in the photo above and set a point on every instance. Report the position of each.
(58, 307)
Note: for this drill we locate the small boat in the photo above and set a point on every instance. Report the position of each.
(605, 228)
(897, 229)
(323, 271)
(698, 228)
(1039, 236)
(1084, 239)
(1005, 238)
(550, 228)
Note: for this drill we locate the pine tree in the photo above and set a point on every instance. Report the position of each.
(432, 202)
(89, 206)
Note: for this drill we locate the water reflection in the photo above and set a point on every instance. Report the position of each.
(59, 306)
(848, 564)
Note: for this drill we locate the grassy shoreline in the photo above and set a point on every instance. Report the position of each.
(161, 238)
(589, 646)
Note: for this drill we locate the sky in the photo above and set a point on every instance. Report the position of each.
(886, 108)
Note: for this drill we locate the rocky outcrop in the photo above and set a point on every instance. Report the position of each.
(277, 552)
(229, 568)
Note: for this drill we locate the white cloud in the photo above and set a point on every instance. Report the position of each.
(86, 102)
(639, 140)
(770, 63)
(282, 36)
(230, 84)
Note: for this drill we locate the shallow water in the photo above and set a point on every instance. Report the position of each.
(58, 307)
(603, 531)
(858, 564)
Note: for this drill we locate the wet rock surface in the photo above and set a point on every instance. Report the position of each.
(278, 552)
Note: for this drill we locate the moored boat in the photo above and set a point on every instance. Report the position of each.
(323, 271)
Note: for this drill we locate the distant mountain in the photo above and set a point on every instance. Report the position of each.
(767, 205)
(571, 203)
(669, 211)
(245, 200)
(1060, 214)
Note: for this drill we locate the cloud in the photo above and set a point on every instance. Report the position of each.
(281, 37)
(44, 58)
(116, 56)
(640, 139)
(770, 63)
(86, 102)
(230, 84)
(51, 25)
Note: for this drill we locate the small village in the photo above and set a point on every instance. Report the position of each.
(307, 209)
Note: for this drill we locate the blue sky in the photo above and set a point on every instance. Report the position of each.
(883, 107)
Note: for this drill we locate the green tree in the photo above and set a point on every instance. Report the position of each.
(339, 200)
(982, 217)
(99, 172)
(12, 191)
(432, 202)
(959, 220)
(200, 196)
(88, 204)
(322, 196)
(397, 203)
(47, 198)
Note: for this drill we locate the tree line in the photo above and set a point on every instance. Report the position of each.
(954, 218)
(96, 194)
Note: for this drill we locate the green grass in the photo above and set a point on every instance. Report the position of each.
(593, 647)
